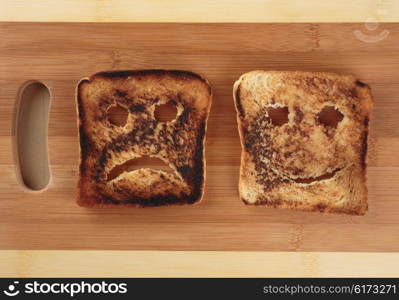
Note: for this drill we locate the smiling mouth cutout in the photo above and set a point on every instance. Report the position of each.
(144, 162)
(325, 176)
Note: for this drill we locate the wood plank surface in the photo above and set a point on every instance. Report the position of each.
(203, 11)
(44, 263)
(54, 54)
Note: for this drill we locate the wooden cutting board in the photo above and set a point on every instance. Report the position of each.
(60, 54)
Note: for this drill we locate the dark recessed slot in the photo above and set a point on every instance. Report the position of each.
(31, 127)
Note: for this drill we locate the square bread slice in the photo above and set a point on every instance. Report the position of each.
(112, 171)
(304, 140)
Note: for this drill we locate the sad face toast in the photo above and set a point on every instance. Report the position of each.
(304, 140)
(111, 153)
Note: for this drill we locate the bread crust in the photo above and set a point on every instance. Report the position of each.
(178, 143)
(303, 164)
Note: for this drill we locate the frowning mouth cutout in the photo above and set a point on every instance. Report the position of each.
(144, 162)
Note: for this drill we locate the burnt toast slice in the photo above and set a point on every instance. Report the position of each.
(304, 140)
(109, 150)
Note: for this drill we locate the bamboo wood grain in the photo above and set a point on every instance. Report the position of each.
(55, 55)
(204, 11)
(196, 264)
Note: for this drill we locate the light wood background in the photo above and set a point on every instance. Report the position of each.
(199, 11)
(49, 263)
(196, 264)
(221, 52)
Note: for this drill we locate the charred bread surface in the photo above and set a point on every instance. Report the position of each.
(179, 143)
(303, 163)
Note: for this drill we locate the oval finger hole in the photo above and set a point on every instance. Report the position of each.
(31, 127)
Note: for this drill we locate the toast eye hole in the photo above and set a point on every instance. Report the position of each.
(360, 83)
(278, 116)
(165, 112)
(330, 117)
(117, 115)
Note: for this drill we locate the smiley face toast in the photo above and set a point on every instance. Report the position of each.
(304, 140)
(112, 152)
